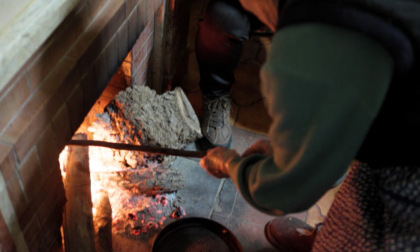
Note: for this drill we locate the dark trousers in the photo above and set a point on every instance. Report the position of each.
(226, 26)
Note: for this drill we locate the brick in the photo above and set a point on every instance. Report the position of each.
(84, 46)
(143, 12)
(139, 58)
(48, 213)
(103, 100)
(7, 161)
(123, 48)
(65, 71)
(58, 45)
(143, 19)
(16, 195)
(87, 60)
(126, 68)
(23, 120)
(142, 67)
(6, 240)
(98, 35)
(62, 94)
(150, 25)
(51, 235)
(31, 231)
(161, 2)
(128, 80)
(48, 150)
(54, 199)
(49, 239)
(132, 28)
(101, 73)
(51, 184)
(139, 46)
(38, 112)
(13, 99)
(56, 244)
(129, 57)
(76, 108)
(149, 76)
(88, 84)
(118, 80)
(112, 57)
(139, 80)
(130, 5)
(150, 37)
(110, 92)
(153, 6)
(23, 69)
(83, 4)
(30, 173)
(61, 127)
(78, 25)
(96, 6)
(116, 16)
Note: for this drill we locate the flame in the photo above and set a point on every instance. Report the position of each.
(131, 212)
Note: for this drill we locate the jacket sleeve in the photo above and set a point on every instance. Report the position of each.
(323, 85)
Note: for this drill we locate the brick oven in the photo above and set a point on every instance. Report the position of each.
(46, 91)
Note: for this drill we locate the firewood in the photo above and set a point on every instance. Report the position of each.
(151, 182)
(103, 224)
(78, 219)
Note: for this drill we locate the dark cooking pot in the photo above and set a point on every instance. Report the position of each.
(196, 234)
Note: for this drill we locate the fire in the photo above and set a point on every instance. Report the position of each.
(120, 174)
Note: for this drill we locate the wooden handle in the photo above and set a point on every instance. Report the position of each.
(133, 147)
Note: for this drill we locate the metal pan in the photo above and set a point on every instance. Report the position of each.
(196, 234)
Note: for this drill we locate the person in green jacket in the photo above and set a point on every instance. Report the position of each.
(340, 82)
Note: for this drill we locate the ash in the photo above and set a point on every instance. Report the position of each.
(141, 187)
(143, 222)
(166, 120)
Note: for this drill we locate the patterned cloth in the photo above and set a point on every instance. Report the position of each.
(374, 210)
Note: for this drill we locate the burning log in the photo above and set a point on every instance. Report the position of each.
(151, 182)
(133, 187)
(78, 219)
(103, 224)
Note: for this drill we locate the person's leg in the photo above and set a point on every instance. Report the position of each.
(219, 40)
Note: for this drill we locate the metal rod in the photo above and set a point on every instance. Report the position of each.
(133, 147)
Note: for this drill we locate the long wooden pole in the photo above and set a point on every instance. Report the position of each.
(133, 147)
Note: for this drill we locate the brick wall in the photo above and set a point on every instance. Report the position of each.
(141, 55)
(166, 68)
(46, 101)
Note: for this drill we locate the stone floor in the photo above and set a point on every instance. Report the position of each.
(219, 200)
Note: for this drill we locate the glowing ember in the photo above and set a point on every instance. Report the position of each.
(139, 204)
